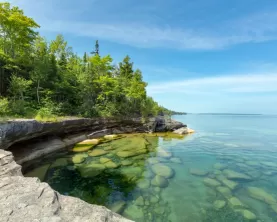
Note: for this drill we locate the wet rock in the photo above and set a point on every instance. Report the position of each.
(97, 152)
(219, 166)
(211, 182)
(235, 202)
(126, 162)
(197, 172)
(233, 175)
(248, 215)
(139, 201)
(39, 172)
(147, 174)
(153, 160)
(79, 158)
(60, 162)
(184, 130)
(143, 184)
(111, 137)
(159, 181)
(269, 164)
(162, 170)
(262, 195)
(85, 145)
(229, 183)
(118, 206)
(176, 160)
(91, 169)
(133, 212)
(163, 153)
(157, 189)
(154, 199)
(125, 154)
(111, 165)
(219, 204)
(225, 191)
(104, 160)
(130, 172)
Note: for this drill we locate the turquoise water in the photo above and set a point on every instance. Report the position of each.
(226, 171)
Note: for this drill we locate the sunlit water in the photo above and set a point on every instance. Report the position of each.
(226, 171)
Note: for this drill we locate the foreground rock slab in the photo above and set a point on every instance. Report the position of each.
(27, 199)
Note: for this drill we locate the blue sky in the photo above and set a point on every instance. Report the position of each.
(197, 56)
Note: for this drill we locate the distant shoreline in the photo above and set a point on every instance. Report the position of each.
(226, 114)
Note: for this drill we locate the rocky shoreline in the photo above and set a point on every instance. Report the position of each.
(27, 199)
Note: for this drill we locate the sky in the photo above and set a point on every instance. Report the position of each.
(197, 56)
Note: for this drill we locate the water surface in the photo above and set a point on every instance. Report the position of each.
(226, 171)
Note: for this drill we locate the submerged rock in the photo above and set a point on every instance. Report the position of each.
(125, 154)
(39, 172)
(104, 160)
(269, 164)
(153, 160)
(97, 152)
(219, 166)
(225, 191)
(111, 137)
(131, 172)
(262, 195)
(147, 174)
(85, 145)
(159, 181)
(183, 130)
(235, 202)
(154, 199)
(162, 170)
(219, 204)
(233, 175)
(176, 160)
(79, 158)
(133, 212)
(248, 215)
(118, 206)
(60, 162)
(126, 162)
(90, 170)
(143, 184)
(197, 172)
(211, 182)
(163, 153)
(111, 165)
(139, 201)
(229, 183)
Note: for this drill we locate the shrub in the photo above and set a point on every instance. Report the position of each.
(4, 107)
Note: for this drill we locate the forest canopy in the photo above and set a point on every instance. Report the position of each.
(43, 79)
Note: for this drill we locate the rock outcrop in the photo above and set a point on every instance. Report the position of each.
(27, 199)
(15, 131)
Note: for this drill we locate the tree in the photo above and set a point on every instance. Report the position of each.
(96, 51)
(18, 86)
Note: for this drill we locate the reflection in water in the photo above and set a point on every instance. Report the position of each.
(203, 177)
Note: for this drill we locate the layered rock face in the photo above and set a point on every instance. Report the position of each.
(27, 199)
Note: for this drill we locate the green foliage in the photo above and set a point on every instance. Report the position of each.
(4, 107)
(47, 80)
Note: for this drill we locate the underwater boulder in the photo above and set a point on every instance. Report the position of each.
(262, 195)
(176, 160)
(91, 169)
(159, 181)
(97, 152)
(85, 145)
(79, 158)
(162, 170)
(233, 175)
(219, 204)
(211, 182)
(197, 172)
(118, 206)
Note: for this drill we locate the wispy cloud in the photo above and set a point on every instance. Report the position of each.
(245, 83)
(140, 33)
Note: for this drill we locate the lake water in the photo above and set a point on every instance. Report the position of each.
(226, 171)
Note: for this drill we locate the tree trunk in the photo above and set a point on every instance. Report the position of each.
(38, 92)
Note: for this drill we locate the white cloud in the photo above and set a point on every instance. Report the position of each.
(252, 28)
(245, 83)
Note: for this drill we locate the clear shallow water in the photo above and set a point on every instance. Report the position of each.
(226, 171)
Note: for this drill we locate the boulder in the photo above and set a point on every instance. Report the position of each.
(162, 170)
(118, 206)
(111, 165)
(126, 162)
(183, 130)
(219, 204)
(104, 160)
(235, 202)
(79, 158)
(229, 183)
(159, 181)
(262, 195)
(143, 184)
(133, 212)
(225, 191)
(219, 166)
(248, 215)
(233, 175)
(197, 172)
(163, 153)
(97, 152)
(211, 182)
(139, 201)
(91, 169)
(176, 160)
